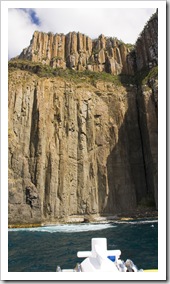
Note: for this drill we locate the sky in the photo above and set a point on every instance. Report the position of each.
(125, 24)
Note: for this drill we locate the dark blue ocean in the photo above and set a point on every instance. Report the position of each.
(42, 249)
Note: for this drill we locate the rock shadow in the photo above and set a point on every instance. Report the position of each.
(132, 163)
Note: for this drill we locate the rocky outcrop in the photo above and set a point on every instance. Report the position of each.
(81, 149)
(79, 52)
(146, 47)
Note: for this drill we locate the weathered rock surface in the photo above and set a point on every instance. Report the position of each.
(77, 51)
(74, 150)
(148, 115)
(80, 150)
(146, 47)
(61, 137)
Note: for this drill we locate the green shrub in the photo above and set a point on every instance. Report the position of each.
(143, 76)
(76, 76)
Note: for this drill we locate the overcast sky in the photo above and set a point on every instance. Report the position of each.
(125, 24)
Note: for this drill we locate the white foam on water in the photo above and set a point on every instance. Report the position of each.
(137, 222)
(70, 228)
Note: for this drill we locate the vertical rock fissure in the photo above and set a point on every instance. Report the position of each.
(47, 207)
(141, 135)
(34, 138)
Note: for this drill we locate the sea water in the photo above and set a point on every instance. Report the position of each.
(42, 249)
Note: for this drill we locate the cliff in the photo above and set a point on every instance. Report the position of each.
(83, 146)
(146, 48)
(79, 52)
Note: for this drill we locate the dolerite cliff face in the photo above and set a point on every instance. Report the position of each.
(78, 149)
(146, 49)
(79, 52)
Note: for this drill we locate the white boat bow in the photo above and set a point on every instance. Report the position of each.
(99, 259)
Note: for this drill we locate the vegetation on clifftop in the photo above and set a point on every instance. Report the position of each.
(87, 76)
(140, 78)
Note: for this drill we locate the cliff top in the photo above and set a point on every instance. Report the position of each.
(50, 53)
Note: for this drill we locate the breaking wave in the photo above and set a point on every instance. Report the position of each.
(70, 228)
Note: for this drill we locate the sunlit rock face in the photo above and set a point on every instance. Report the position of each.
(79, 52)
